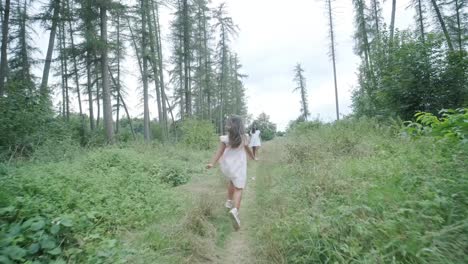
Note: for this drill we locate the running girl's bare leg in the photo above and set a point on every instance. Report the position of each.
(237, 197)
(254, 150)
(231, 190)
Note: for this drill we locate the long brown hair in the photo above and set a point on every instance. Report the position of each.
(236, 132)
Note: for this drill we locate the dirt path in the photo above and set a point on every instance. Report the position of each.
(237, 247)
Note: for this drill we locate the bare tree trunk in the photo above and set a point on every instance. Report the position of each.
(421, 22)
(89, 89)
(62, 74)
(154, 64)
(117, 119)
(75, 66)
(442, 24)
(107, 109)
(160, 61)
(146, 118)
(50, 49)
(392, 22)
(119, 95)
(221, 80)
(4, 60)
(98, 94)
(376, 16)
(459, 28)
(186, 48)
(332, 36)
(207, 67)
(63, 58)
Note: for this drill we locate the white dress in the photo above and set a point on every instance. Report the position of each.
(234, 163)
(255, 140)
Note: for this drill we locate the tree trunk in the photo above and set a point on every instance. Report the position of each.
(119, 95)
(186, 48)
(207, 63)
(144, 53)
(442, 24)
(421, 22)
(160, 61)
(98, 94)
(63, 59)
(75, 66)
(332, 36)
(117, 118)
(392, 22)
(107, 106)
(4, 60)
(459, 28)
(221, 81)
(45, 74)
(154, 64)
(89, 89)
(376, 16)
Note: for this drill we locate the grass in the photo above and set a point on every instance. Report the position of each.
(355, 192)
(110, 205)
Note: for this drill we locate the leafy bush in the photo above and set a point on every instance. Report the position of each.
(452, 126)
(198, 134)
(267, 128)
(174, 173)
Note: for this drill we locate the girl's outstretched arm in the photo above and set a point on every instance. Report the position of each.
(218, 155)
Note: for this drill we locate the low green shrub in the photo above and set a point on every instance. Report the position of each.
(452, 125)
(198, 134)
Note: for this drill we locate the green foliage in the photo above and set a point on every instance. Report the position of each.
(452, 126)
(174, 173)
(267, 128)
(198, 134)
(408, 76)
(356, 193)
(300, 127)
(76, 210)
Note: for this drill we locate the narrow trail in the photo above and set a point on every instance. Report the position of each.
(238, 248)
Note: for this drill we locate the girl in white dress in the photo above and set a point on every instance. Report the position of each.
(255, 141)
(232, 154)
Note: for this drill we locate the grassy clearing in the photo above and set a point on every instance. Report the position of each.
(355, 192)
(110, 205)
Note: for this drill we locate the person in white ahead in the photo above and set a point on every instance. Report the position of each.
(232, 154)
(255, 141)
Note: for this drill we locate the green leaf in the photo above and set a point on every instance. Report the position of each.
(34, 248)
(56, 251)
(55, 229)
(15, 252)
(48, 243)
(7, 210)
(66, 222)
(5, 260)
(38, 225)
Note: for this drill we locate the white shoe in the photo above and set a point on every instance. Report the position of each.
(228, 204)
(235, 216)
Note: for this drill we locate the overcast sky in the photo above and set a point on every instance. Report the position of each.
(275, 35)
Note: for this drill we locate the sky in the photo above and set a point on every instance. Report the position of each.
(274, 36)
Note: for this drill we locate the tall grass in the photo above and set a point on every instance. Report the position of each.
(108, 205)
(356, 192)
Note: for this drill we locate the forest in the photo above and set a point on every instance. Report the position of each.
(86, 177)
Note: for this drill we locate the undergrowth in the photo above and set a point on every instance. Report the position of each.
(88, 208)
(359, 192)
